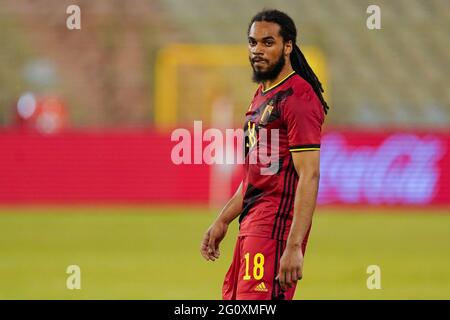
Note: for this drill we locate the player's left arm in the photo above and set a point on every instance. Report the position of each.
(307, 165)
(303, 115)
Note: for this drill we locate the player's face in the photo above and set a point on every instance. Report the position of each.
(267, 50)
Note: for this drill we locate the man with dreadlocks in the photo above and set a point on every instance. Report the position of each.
(275, 211)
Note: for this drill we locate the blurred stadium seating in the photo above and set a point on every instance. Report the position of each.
(396, 76)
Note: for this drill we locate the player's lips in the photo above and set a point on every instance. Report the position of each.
(258, 61)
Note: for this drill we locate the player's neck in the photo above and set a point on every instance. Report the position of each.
(286, 71)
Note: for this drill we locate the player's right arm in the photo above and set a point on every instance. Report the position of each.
(209, 247)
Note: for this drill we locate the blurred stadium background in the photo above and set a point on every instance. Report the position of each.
(86, 118)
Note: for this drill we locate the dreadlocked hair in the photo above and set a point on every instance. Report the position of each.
(288, 32)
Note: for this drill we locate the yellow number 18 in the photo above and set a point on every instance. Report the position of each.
(258, 266)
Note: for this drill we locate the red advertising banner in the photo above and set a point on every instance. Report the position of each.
(135, 166)
(114, 166)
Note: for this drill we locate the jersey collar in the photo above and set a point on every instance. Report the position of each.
(277, 84)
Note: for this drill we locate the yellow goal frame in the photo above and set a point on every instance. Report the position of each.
(170, 58)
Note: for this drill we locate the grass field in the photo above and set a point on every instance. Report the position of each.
(152, 253)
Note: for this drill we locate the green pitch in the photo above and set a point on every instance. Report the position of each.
(153, 253)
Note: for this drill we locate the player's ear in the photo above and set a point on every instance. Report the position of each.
(288, 47)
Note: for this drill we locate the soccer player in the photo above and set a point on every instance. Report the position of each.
(275, 210)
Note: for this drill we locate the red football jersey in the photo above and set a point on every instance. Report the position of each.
(291, 110)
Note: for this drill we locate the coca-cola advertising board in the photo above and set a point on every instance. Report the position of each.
(395, 168)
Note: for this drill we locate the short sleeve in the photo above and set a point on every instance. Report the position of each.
(303, 116)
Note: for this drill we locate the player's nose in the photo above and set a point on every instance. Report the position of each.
(257, 49)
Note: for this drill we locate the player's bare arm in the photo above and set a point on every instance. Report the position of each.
(209, 247)
(291, 262)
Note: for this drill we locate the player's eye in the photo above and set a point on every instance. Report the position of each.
(269, 43)
(251, 42)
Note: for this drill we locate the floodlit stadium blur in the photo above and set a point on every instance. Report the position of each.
(87, 176)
